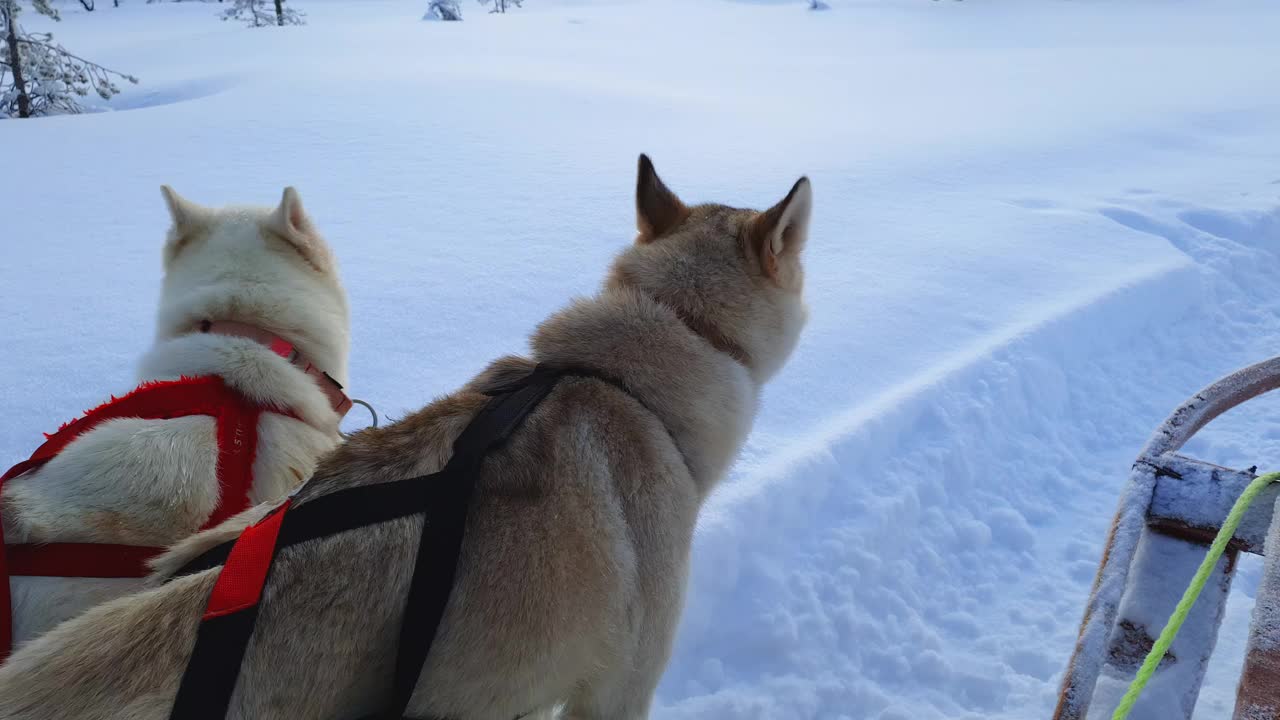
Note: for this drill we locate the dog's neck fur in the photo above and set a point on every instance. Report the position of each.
(245, 365)
(700, 390)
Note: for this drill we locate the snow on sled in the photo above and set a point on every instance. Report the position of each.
(1170, 511)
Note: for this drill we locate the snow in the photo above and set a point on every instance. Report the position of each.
(1039, 226)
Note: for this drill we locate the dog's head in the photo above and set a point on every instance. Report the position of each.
(267, 267)
(733, 275)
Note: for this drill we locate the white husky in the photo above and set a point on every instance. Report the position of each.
(251, 307)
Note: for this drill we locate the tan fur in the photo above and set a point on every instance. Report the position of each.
(572, 573)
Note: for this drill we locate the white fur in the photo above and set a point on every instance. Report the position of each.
(153, 482)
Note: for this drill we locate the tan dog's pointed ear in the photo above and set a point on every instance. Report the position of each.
(186, 215)
(291, 222)
(658, 210)
(782, 229)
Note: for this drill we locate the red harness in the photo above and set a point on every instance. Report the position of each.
(237, 426)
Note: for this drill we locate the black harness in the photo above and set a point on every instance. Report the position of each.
(443, 498)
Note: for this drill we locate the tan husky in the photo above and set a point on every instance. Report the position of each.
(573, 569)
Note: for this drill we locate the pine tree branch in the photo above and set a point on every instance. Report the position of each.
(56, 48)
(44, 8)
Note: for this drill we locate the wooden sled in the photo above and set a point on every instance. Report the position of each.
(1168, 514)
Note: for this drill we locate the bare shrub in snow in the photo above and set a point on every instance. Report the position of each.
(818, 5)
(443, 10)
(39, 76)
(255, 13)
(500, 6)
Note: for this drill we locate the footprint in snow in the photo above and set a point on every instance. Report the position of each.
(1032, 663)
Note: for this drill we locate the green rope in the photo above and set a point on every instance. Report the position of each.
(1198, 582)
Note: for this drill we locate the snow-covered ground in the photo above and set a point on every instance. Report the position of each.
(1039, 226)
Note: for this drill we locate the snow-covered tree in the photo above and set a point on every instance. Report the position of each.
(443, 10)
(256, 13)
(500, 6)
(39, 76)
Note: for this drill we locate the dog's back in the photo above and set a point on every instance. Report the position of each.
(583, 517)
(573, 568)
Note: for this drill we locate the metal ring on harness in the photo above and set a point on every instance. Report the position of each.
(368, 407)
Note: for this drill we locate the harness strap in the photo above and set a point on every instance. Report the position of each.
(318, 517)
(161, 400)
(228, 621)
(332, 389)
(237, 420)
(237, 449)
(443, 497)
(82, 560)
(442, 533)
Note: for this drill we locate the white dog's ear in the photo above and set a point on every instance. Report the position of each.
(186, 215)
(783, 229)
(291, 222)
(658, 210)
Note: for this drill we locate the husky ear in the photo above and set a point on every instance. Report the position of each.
(783, 228)
(186, 215)
(291, 222)
(658, 210)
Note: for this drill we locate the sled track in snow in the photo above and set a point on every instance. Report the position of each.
(1000, 464)
(173, 93)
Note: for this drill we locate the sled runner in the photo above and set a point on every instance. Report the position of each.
(1169, 512)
